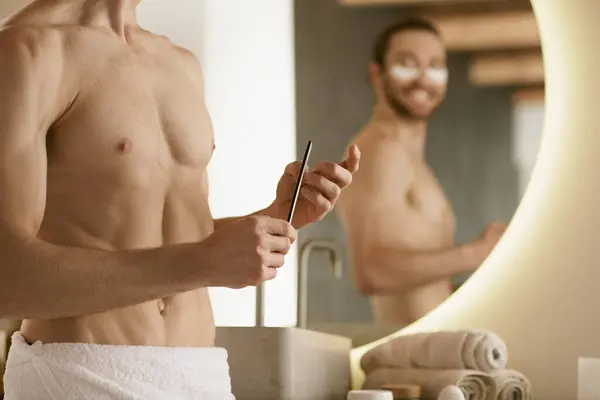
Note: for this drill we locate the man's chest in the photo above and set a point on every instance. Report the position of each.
(137, 112)
(426, 195)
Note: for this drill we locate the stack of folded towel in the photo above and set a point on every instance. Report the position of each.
(475, 361)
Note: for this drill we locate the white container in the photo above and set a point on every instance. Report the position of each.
(588, 377)
(370, 395)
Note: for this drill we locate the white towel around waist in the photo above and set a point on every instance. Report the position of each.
(76, 371)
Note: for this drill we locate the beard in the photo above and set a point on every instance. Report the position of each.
(401, 109)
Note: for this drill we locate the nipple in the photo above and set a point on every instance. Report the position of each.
(124, 146)
(411, 198)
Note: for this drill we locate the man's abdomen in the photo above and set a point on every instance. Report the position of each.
(184, 320)
(113, 218)
(406, 308)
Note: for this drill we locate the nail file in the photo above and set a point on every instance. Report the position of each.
(299, 181)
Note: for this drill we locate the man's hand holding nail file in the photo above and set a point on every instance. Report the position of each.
(320, 189)
(258, 243)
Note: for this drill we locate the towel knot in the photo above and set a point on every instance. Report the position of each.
(37, 348)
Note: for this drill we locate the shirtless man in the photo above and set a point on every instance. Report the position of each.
(107, 242)
(398, 223)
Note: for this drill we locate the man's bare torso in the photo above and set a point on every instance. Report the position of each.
(126, 169)
(420, 219)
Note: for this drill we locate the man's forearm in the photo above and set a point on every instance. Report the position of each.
(221, 222)
(390, 270)
(42, 280)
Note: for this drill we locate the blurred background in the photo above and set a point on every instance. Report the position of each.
(482, 142)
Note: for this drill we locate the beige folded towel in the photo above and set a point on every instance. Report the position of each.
(512, 385)
(475, 385)
(476, 350)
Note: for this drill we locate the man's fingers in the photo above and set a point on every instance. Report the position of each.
(276, 244)
(274, 260)
(279, 227)
(320, 184)
(352, 162)
(334, 172)
(269, 273)
(293, 169)
(320, 201)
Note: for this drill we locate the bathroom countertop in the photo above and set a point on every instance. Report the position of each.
(359, 333)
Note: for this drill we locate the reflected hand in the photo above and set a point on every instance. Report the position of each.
(487, 241)
(493, 232)
(321, 189)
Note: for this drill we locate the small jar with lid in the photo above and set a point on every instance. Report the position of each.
(404, 392)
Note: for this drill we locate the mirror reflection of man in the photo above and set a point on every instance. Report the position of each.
(398, 222)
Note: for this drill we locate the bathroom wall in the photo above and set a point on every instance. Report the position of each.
(469, 142)
(248, 61)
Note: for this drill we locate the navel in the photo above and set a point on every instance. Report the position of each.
(124, 146)
(411, 198)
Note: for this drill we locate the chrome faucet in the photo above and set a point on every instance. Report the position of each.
(336, 263)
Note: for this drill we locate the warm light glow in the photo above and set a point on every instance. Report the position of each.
(538, 289)
(528, 120)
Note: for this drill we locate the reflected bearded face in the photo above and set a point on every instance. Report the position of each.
(414, 75)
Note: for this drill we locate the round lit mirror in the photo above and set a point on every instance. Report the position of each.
(445, 101)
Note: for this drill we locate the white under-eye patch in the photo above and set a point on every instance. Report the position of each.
(437, 75)
(405, 73)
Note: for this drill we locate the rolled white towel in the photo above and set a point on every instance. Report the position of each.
(475, 350)
(475, 385)
(512, 385)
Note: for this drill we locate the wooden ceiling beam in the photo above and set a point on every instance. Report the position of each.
(489, 25)
(488, 31)
(419, 2)
(507, 69)
(526, 95)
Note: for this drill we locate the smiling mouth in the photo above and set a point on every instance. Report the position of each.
(419, 97)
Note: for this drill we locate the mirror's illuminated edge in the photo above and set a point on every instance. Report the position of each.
(538, 289)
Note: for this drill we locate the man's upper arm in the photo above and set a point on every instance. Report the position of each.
(30, 75)
(374, 206)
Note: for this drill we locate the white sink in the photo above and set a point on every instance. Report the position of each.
(286, 363)
(359, 333)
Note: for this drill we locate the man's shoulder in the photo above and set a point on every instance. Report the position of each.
(28, 35)
(185, 55)
(379, 143)
(36, 43)
(384, 156)
(162, 45)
